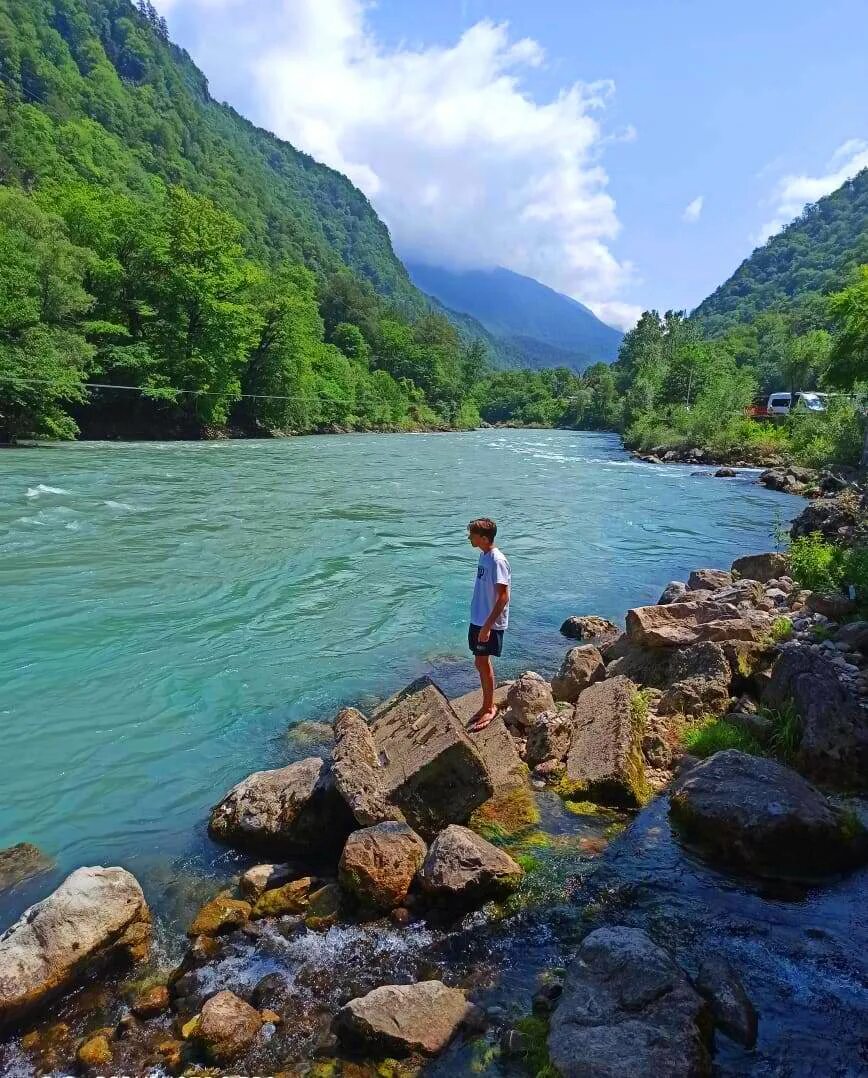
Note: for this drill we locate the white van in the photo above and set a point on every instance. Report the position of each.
(784, 403)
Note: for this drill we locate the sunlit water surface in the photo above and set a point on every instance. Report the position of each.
(170, 609)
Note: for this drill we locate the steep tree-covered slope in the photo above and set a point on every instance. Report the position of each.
(798, 265)
(93, 90)
(537, 326)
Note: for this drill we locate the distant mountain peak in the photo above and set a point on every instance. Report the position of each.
(539, 326)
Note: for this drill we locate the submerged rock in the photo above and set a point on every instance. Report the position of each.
(20, 862)
(402, 1019)
(285, 810)
(461, 865)
(582, 666)
(227, 1027)
(832, 719)
(756, 814)
(378, 864)
(604, 762)
(731, 1007)
(95, 913)
(628, 1010)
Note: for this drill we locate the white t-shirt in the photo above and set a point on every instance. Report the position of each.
(493, 569)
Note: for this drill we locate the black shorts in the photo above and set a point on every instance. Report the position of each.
(493, 646)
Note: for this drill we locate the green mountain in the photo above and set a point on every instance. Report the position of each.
(533, 325)
(93, 89)
(811, 256)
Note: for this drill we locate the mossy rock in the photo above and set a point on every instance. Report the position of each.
(324, 907)
(292, 897)
(507, 815)
(221, 914)
(95, 1051)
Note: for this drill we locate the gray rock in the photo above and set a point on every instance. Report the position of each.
(227, 1027)
(628, 1010)
(356, 769)
(263, 877)
(648, 667)
(832, 716)
(549, 738)
(20, 862)
(757, 726)
(429, 767)
(529, 696)
(95, 913)
(733, 1012)
(709, 580)
(854, 635)
(699, 681)
(582, 666)
(605, 761)
(378, 864)
(674, 592)
(589, 628)
(291, 808)
(753, 813)
(399, 1019)
(761, 567)
(463, 866)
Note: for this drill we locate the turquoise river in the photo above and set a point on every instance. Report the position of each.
(169, 610)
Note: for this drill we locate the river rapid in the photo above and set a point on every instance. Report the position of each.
(171, 610)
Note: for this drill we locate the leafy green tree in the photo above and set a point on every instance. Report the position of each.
(44, 357)
(351, 341)
(849, 354)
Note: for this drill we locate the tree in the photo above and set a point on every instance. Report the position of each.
(849, 355)
(44, 358)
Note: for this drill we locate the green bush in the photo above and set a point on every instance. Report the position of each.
(710, 735)
(816, 563)
(827, 438)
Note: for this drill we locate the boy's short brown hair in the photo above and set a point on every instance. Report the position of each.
(485, 527)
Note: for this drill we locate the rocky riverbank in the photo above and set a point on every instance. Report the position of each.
(403, 898)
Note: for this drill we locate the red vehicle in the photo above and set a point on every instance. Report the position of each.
(758, 411)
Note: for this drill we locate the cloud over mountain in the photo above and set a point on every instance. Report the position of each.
(467, 168)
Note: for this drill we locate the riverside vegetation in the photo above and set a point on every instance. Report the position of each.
(152, 238)
(427, 859)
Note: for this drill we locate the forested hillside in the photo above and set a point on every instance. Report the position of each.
(151, 237)
(798, 266)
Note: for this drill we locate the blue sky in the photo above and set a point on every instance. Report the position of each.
(629, 153)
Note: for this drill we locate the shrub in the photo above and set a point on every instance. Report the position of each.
(787, 734)
(781, 630)
(710, 735)
(816, 563)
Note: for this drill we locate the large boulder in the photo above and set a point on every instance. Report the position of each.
(761, 567)
(463, 866)
(589, 627)
(429, 766)
(227, 1027)
(628, 1010)
(283, 811)
(681, 624)
(833, 719)
(582, 666)
(648, 667)
(529, 695)
(549, 738)
(699, 681)
(753, 813)
(95, 913)
(378, 864)
(400, 1019)
(605, 762)
(356, 769)
(20, 862)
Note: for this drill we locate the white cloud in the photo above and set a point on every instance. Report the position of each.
(466, 167)
(693, 209)
(793, 193)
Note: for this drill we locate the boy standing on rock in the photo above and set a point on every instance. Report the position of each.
(489, 612)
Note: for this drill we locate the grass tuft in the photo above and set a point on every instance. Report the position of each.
(711, 735)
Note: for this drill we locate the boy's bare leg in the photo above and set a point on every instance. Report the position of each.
(486, 678)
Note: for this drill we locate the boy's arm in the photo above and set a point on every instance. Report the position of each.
(499, 603)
